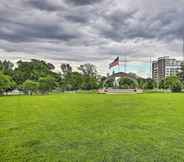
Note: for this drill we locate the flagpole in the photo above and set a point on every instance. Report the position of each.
(118, 65)
(118, 69)
(125, 64)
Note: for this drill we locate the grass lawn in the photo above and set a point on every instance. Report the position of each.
(92, 128)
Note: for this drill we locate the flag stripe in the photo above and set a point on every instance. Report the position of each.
(114, 63)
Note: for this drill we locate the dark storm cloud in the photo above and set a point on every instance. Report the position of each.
(79, 30)
(44, 5)
(33, 25)
(127, 25)
(172, 24)
(118, 24)
(18, 32)
(83, 2)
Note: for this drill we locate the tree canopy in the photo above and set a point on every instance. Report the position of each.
(6, 83)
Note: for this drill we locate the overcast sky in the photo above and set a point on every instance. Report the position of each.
(92, 31)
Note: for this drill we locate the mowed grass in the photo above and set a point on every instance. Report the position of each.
(92, 128)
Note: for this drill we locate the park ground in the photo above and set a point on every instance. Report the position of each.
(92, 128)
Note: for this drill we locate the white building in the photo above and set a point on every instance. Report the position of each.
(164, 67)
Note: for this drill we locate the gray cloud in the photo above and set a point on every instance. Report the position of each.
(167, 25)
(83, 2)
(89, 30)
(43, 5)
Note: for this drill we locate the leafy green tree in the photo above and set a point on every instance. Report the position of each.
(30, 87)
(101, 81)
(6, 83)
(89, 77)
(88, 69)
(89, 83)
(109, 83)
(149, 84)
(32, 70)
(72, 81)
(47, 84)
(141, 83)
(174, 84)
(66, 68)
(162, 84)
(127, 83)
(6, 67)
(181, 73)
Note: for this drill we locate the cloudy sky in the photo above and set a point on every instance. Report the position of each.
(92, 31)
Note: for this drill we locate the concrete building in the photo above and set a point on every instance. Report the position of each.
(164, 67)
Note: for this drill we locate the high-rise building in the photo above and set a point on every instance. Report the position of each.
(155, 70)
(164, 67)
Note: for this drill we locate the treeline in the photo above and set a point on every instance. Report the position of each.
(173, 83)
(37, 76)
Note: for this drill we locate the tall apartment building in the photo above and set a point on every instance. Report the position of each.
(164, 67)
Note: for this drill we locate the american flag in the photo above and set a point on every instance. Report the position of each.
(114, 63)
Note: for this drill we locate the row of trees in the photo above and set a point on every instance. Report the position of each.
(173, 83)
(126, 83)
(37, 76)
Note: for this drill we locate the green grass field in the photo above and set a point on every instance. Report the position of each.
(92, 128)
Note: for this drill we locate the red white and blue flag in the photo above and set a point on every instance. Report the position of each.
(114, 63)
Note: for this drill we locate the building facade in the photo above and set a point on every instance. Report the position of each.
(165, 67)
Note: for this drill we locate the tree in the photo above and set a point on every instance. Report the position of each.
(149, 84)
(6, 67)
(6, 83)
(181, 73)
(66, 68)
(141, 82)
(50, 66)
(127, 83)
(89, 76)
(109, 83)
(101, 81)
(46, 84)
(30, 86)
(174, 84)
(88, 69)
(162, 84)
(72, 81)
(89, 82)
(32, 70)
